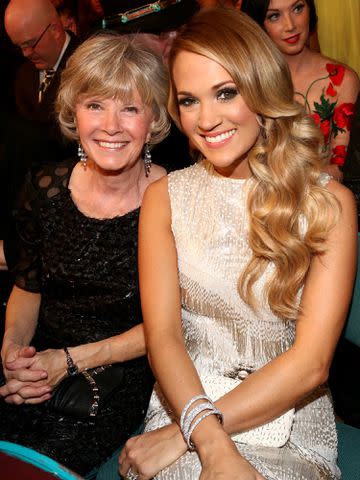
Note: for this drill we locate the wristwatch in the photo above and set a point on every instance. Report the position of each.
(72, 369)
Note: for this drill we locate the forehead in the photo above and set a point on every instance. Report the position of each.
(193, 71)
(122, 96)
(282, 4)
(24, 30)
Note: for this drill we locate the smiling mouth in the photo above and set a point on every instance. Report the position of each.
(113, 145)
(292, 39)
(221, 137)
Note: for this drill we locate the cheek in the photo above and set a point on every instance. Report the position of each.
(272, 30)
(187, 122)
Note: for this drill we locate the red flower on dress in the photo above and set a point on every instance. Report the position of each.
(339, 154)
(342, 115)
(331, 90)
(325, 128)
(336, 73)
(316, 117)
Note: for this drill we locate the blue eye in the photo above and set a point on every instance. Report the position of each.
(226, 94)
(299, 7)
(272, 17)
(186, 101)
(131, 109)
(93, 106)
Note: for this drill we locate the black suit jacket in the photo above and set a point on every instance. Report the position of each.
(29, 137)
(27, 93)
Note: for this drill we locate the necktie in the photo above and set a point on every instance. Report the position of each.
(45, 83)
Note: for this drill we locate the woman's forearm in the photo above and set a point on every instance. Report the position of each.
(120, 348)
(21, 318)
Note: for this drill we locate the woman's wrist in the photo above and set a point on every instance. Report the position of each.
(209, 436)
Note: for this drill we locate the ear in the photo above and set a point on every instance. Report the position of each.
(151, 129)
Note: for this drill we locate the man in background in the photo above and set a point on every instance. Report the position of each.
(31, 135)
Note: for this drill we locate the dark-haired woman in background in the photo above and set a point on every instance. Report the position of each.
(327, 89)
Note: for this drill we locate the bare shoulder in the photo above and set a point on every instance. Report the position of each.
(156, 197)
(351, 82)
(344, 196)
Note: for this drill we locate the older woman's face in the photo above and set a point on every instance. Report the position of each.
(113, 132)
(287, 23)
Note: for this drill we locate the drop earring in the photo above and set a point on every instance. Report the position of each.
(147, 159)
(82, 156)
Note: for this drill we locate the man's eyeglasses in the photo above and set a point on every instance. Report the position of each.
(33, 45)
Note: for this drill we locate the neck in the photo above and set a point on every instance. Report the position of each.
(299, 61)
(119, 182)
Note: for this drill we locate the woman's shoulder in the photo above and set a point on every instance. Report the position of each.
(44, 182)
(52, 178)
(343, 78)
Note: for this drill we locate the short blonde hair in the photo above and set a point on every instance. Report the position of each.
(285, 161)
(109, 65)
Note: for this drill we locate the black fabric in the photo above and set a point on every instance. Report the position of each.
(86, 271)
(30, 136)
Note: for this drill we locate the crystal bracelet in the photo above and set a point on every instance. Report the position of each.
(187, 437)
(190, 417)
(188, 405)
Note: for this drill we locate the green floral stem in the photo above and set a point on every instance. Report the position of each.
(305, 97)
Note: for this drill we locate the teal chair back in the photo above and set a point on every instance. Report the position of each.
(349, 437)
(352, 328)
(43, 463)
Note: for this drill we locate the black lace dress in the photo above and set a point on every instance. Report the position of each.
(86, 271)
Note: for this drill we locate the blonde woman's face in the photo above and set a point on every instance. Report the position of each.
(113, 133)
(213, 114)
(287, 23)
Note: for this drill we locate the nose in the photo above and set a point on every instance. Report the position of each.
(209, 116)
(289, 22)
(26, 51)
(112, 121)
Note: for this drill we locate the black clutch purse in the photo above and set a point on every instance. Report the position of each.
(83, 395)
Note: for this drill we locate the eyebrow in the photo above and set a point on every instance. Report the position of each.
(277, 9)
(214, 87)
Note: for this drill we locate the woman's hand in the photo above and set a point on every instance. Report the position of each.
(151, 452)
(51, 361)
(222, 461)
(22, 357)
(31, 375)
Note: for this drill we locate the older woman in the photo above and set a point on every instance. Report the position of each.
(73, 330)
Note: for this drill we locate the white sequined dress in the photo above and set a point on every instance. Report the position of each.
(223, 336)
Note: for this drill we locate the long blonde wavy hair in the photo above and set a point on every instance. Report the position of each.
(290, 213)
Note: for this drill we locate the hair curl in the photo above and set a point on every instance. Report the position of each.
(109, 65)
(285, 162)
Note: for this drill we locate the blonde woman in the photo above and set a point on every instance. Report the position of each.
(76, 379)
(240, 260)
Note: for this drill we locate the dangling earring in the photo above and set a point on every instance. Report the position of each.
(82, 155)
(147, 159)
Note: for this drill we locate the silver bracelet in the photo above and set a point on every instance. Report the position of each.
(188, 405)
(190, 417)
(214, 411)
